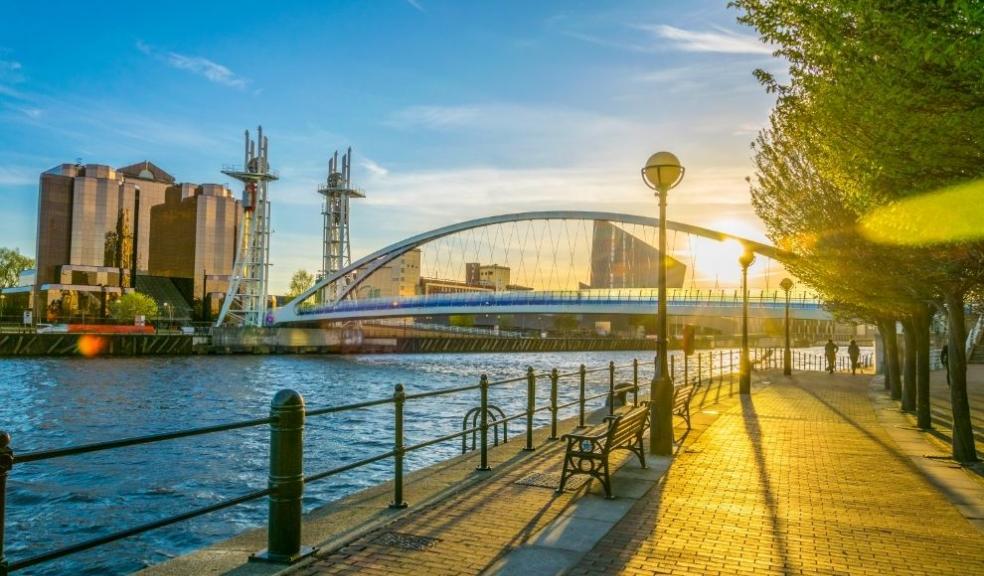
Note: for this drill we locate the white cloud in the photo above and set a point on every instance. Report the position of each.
(374, 168)
(198, 65)
(435, 117)
(17, 175)
(416, 5)
(720, 40)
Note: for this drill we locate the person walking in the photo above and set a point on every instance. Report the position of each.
(831, 352)
(945, 361)
(854, 351)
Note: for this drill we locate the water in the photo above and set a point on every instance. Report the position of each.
(51, 403)
(56, 402)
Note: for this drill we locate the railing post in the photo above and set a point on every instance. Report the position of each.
(611, 387)
(286, 480)
(635, 381)
(6, 463)
(699, 368)
(672, 370)
(399, 398)
(530, 406)
(686, 369)
(580, 398)
(554, 377)
(483, 386)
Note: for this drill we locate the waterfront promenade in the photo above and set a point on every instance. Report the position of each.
(807, 476)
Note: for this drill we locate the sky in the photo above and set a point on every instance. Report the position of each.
(454, 110)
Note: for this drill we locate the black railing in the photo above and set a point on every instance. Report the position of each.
(288, 414)
(286, 482)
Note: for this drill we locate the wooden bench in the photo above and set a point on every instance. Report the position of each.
(681, 401)
(588, 453)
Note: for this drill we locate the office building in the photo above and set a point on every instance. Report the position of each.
(620, 260)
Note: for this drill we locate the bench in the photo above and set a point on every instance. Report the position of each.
(681, 401)
(588, 453)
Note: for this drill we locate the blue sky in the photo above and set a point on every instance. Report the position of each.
(454, 109)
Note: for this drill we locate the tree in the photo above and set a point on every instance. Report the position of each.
(880, 118)
(12, 263)
(461, 320)
(300, 282)
(133, 304)
(565, 322)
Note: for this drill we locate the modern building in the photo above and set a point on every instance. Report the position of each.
(399, 277)
(193, 240)
(620, 260)
(96, 233)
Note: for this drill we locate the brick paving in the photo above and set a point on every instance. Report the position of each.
(798, 479)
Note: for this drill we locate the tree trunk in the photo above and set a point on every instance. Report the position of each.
(908, 366)
(963, 434)
(920, 321)
(893, 376)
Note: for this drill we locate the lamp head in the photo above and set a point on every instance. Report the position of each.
(662, 171)
(786, 284)
(747, 257)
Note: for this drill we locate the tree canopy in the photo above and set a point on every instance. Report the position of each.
(299, 283)
(133, 304)
(12, 263)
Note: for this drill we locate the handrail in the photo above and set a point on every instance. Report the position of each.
(277, 420)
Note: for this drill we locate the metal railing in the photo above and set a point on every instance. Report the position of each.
(676, 297)
(286, 477)
(288, 415)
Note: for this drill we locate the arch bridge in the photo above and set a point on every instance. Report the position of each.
(557, 251)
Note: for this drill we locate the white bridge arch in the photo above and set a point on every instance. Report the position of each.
(291, 312)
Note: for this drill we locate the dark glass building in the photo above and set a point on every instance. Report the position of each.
(620, 260)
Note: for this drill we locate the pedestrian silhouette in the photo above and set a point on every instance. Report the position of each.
(854, 351)
(945, 361)
(831, 352)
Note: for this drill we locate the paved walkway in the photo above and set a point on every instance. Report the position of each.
(799, 479)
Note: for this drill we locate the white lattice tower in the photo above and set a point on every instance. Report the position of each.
(246, 300)
(336, 250)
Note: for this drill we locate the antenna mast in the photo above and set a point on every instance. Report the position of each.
(246, 300)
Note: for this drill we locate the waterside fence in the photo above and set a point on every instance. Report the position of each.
(288, 413)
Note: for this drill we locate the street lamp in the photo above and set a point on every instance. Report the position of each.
(3, 306)
(661, 172)
(170, 314)
(745, 376)
(787, 360)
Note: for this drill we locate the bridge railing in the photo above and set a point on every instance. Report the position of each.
(587, 297)
(287, 478)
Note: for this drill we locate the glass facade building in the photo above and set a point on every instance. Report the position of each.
(99, 228)
(620, 260)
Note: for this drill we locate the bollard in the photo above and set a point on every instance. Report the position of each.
(483, 386)
(731, 371)
(611, 387)
(580, 398)
(399, 398)
(530, 406)
(635, 381)
(554, 377)
(6, 463)
(286, 480)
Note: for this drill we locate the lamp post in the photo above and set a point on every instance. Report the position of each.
(745, 374)
(661, 172)
(3, 306)
(170, 314)
(787, 361)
